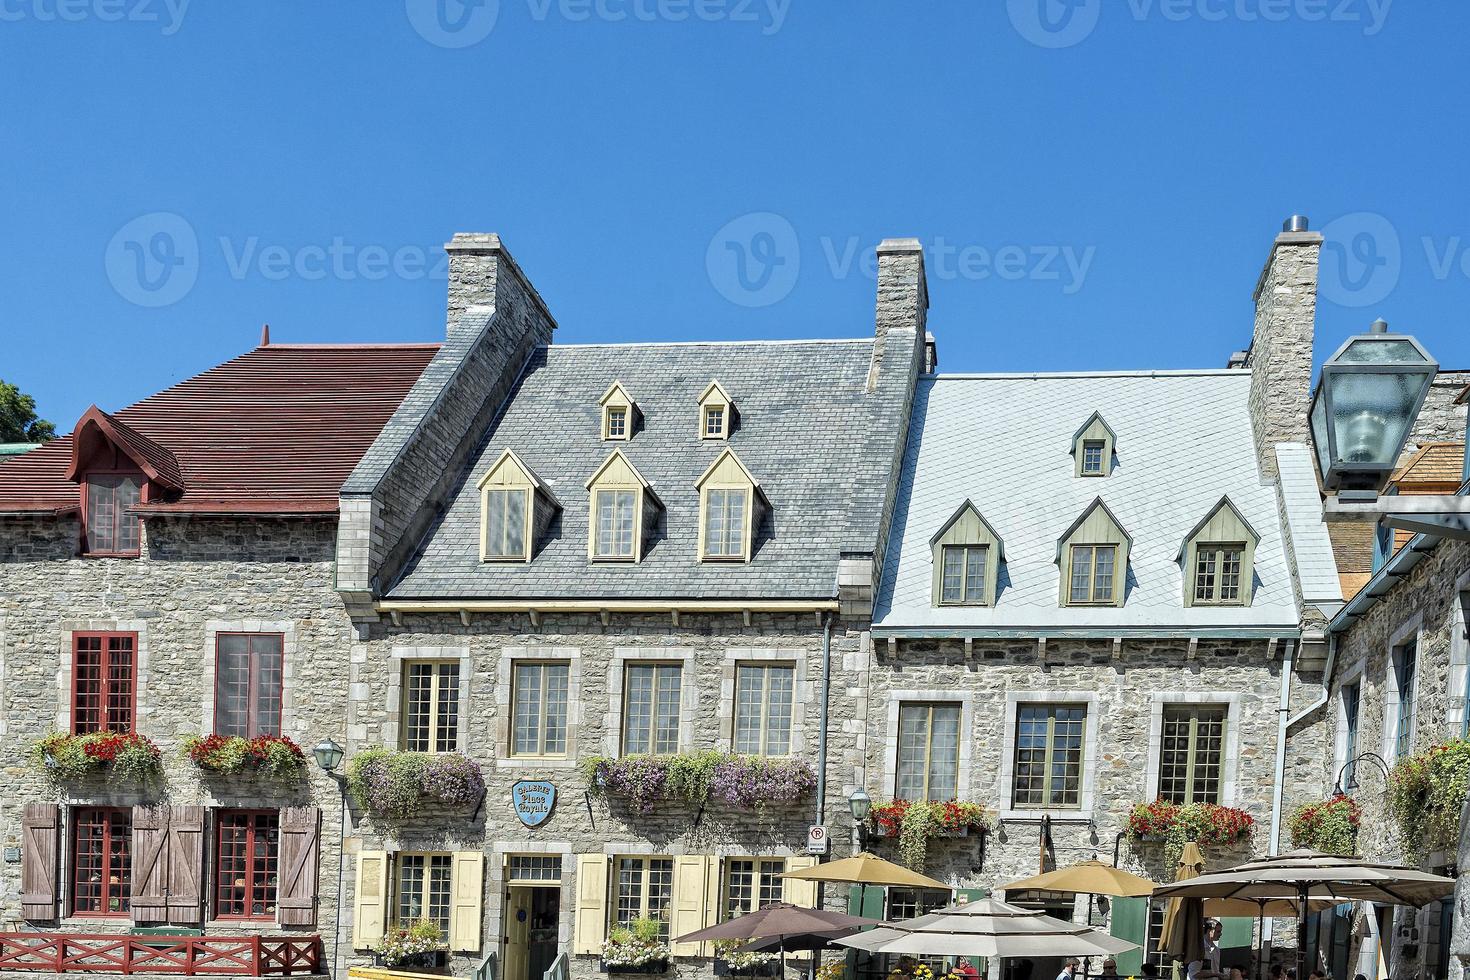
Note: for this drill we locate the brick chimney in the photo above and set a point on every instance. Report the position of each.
(1280, 356)
(903, 300)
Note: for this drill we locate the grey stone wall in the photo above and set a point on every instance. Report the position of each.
(1280, 357)
(1441, 420)
(195, 577)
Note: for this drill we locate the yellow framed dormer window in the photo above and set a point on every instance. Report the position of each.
(731, 506)
(1093, 446)
(618, 413)
(1218, 558)
(967, 554)
(621, 510)
(716, 412)
(1092, 557)
(514, 506)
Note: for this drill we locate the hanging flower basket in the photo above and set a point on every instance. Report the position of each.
(1425, 794)
(916, 822)
(402, 785)
(742, 782)
(271, 756)
(1330, 826)
(1207, 824)
(129, 757)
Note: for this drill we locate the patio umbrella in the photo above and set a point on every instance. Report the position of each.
(1183, 935)
(1271, 908)
(1088, 878)
(777, 921)
(987, 928)
(867, 869)
(1310, 875)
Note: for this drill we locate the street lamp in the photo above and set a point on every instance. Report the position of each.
(328, 755)
(860, 806)
(1366, 402)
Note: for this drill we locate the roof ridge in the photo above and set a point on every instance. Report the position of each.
(414, 345)
(1055, 375)
(713, 343)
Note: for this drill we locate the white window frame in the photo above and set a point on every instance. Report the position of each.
(1351, 676)
(617, 674)
(1413, 630)
(1230, 755)
(964, 786)
(1090, 755)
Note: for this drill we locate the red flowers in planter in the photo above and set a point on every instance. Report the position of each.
(109, 745)
(274, 755)
(1204, 823)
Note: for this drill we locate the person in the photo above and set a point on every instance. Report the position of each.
(1069, 968)
(1278, 970)
(965, 968)
(1236, 973)
(1209, 967)
(1109, 968)
(1360, 976)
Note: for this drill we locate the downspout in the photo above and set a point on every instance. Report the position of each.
(822, 731)
(1283, 722)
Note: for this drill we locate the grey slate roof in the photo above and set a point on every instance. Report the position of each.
(804, 418)
(1004, 441)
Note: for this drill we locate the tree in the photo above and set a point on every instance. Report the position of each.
(18, 419)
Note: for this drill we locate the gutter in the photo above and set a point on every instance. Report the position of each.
(822, 732)
(1278, 781)
(1292, 632)
(1383, 581)
(607, 605)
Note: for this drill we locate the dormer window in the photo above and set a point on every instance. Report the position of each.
(1093, 447)
(618, 413)
(716, 412)
(1093, 559)
(515, 507)
(731, 504)
(1218, 558)
(622, 511)
(967, 556)
(110, 528)
(118, 469)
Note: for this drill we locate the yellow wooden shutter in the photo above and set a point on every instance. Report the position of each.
(798, 892)
(465, 915)
(370, 912)
(591, 915)
(691, 884)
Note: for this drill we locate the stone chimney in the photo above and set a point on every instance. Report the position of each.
(1280, 356)
(903, 300)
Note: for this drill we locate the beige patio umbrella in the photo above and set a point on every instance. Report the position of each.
(1183, 935)
(1271, 908)
(1088, 878)
(867, 869)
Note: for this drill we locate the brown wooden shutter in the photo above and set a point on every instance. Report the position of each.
(41, 827)
(300, 846)
(185, 865)
(148, 900)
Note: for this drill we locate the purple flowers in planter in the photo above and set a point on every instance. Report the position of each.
(398, 784)
(453, 779)
(751, 781)
(737, 781)
(638, 778)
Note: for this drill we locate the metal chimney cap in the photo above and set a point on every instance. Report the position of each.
(1297, 222)
(1379, 325)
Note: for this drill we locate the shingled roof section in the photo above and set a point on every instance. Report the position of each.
(804, 418)
(274, 431)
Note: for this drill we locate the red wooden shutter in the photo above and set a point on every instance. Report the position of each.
(297, 891)
(148, 901)
(41, 826)
(185, 865)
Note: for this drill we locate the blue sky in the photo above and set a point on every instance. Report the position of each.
(1097, 188)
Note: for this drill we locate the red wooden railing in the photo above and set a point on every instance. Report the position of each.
(251, 956)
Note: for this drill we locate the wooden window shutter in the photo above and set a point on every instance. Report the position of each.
(691, 899)
(148, 900)
(296, 894)
(466, 919)
(591, 916)
(185, 865)
(1128, 920)
(804, 894)
(41, 826)
(369, 918)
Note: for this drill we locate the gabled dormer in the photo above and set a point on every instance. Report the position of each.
(1093, 447)
(1218, 558)
(622, 511)
(716, 412)
(619, 413)
(731, 507)
(1093, 557)
(117, 468)
(515, 510)
(967, 556)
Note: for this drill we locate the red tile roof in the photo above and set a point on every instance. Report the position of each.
(274, 431)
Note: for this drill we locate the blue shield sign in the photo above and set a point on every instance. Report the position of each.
(533, 801)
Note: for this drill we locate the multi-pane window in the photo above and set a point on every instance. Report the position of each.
(751, 884)
(1352, 699)
(102, 856)
(645, 886)
(617, 422)
(1092, 457)
(1048, 767)
(714, 421)
(724, 523)
(431, 706)
(617, 512)
(103, 682)
(1217, 569)
(1404, 668)
(963, 574)
(1092, 572)
(540, 718)
(763, 698)
(1191, 753)
(425, 887)
(910, 903)
(541, 868)
(651, 709)
(111, 530)
(246, 870)
(928, 751)
(247, 684)
(505, 523)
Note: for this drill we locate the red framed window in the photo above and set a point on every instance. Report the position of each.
(249, 844)
(104, 682)
(109, 528)
(247, 684)
(103, 859)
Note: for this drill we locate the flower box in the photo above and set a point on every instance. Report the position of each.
(404, 785)
(268, 756)
(741, 782)
(128, 757)
(435, 961)
(914, 823)
(652, 968)
(768, 969)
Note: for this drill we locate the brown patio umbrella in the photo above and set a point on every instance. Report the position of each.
(777, 921)
(1183, 935)
(1088, 878)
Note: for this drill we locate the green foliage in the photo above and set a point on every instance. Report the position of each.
(689, 775)
(404, 943)
(274, 756)
(122, 757)
(18, 419)
(916, 822)
(1330, 826)
(386, 781)
(1426, 792)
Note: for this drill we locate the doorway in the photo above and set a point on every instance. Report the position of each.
(532, 919)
